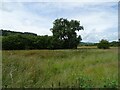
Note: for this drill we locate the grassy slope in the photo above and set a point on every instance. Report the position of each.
(41, 68)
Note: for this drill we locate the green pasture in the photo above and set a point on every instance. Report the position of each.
(82, 67)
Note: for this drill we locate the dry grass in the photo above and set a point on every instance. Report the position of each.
(69, 68)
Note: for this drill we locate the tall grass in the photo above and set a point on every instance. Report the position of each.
(60, 68)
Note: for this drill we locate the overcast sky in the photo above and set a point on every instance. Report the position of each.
(99, 19)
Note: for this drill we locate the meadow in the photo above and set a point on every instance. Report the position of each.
(82, 67)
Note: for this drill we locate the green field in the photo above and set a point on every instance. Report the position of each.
(83, 67)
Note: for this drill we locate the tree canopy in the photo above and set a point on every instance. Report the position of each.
(64, 33)
(103, 44)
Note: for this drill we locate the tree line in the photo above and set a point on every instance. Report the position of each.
(64, 37)
(28, 41)
(22, 42)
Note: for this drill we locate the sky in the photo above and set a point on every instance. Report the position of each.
(99, 18)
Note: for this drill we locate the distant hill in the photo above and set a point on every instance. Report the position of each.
(112, 43)
(8, 32)
(87, 44)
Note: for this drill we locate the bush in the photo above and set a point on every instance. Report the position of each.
(16, 42)
(103, 44)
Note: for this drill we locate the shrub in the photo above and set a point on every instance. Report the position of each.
(103, 44)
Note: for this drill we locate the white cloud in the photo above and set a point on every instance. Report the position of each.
(99, 25)
(20, 20)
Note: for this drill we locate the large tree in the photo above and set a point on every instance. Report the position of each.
(64, 33)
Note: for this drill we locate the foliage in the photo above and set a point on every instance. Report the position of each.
(22, 42)
(103, 44)
(64, 33)
(111, 84)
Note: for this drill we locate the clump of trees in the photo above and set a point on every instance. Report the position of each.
(64, 37)
(103, 44)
